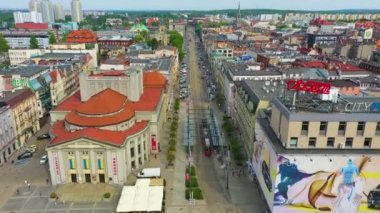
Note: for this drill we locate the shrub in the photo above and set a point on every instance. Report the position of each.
(171, 156)
(173, 134)
(172, 141)
(107, 195)
(194, 183)
(53, 195)
(172, 147)
(192, 171)
(197, 193)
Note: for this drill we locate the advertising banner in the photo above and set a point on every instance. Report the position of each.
(114, 168)
(154, 142)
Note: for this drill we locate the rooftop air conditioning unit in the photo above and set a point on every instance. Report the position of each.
(341, 146)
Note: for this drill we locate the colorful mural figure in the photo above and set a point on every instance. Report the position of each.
(340, 191)
(349, 191)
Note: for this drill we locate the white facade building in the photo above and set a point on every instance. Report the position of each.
(59, 12)
(47, 11)
(22, 17)
(17, 56)
(7, 139)
(76, 11)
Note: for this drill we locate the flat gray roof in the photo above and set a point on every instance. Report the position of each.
(26, 71)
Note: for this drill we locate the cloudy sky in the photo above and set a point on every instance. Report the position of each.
(208, 4)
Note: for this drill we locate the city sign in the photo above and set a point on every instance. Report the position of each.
(363, 107)
(316, 87)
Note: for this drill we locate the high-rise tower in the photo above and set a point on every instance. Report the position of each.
(238, 17)
(76, 11)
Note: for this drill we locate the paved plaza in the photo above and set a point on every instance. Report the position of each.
(36, 199)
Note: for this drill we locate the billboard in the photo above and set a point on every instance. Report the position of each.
(154, 142)
(330, 183)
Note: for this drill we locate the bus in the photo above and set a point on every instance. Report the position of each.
(207, 147)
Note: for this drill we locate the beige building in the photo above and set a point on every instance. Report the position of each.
(25, 118)
(353, 123)
(251, 98)
(17, 56)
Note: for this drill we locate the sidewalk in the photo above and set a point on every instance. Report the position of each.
(242, 191)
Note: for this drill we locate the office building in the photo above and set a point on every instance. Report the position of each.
(47, 11)
(34, 6)
(306, 145)
(22, 17)
(76, 11)
(59, 12)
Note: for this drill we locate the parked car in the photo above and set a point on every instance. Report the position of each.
(31, 149)
(44, 136)
(373, 198)
(44, 159)
(25, 155)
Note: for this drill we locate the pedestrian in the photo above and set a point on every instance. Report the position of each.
(55, 203)
(29, 186)
(47, 180)
(40, 194)
(26, 182)
(18, 192)
(233, 173)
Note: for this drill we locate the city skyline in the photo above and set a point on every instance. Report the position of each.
(208, 5)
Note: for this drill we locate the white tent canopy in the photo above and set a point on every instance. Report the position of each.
(141, 198)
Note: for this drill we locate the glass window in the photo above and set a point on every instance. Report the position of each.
(330, 142)
(293, 142)
(361, 126)
(139, 149)
(312, 142)
(367, 142)
(323, 126)
(342, 126)
(132, 152)
(349, 142)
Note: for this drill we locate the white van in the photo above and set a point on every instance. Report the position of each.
(150, 173)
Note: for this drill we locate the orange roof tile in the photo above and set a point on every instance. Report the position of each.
(105, 102)
(154, 79)
(61, 135)
(70, 103)
(148, 100)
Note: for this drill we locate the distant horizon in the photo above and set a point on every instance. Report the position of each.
(207, 5)
(206, 10)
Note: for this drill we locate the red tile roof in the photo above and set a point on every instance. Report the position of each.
(105, 102)
(103, 109)
(148, 100)
(61, 135)
(346, 67)
(81, 36)
(154, 79)
(69, 104)
(53, 74)
(32, 26)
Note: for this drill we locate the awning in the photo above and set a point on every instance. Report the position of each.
(141, 198)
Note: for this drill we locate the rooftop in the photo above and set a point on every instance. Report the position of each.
(24, 71)
(116, 138)
(16, 97)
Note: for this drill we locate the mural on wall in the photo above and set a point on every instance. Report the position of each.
(264, 163)
(335, 184)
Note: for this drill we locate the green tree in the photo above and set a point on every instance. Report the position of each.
(153, 43)
(52, 39)
(138, 38)
(64, 37)
(176, 40)
(33, 42)
(4, 47)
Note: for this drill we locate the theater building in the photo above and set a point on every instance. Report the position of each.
(104, 134)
